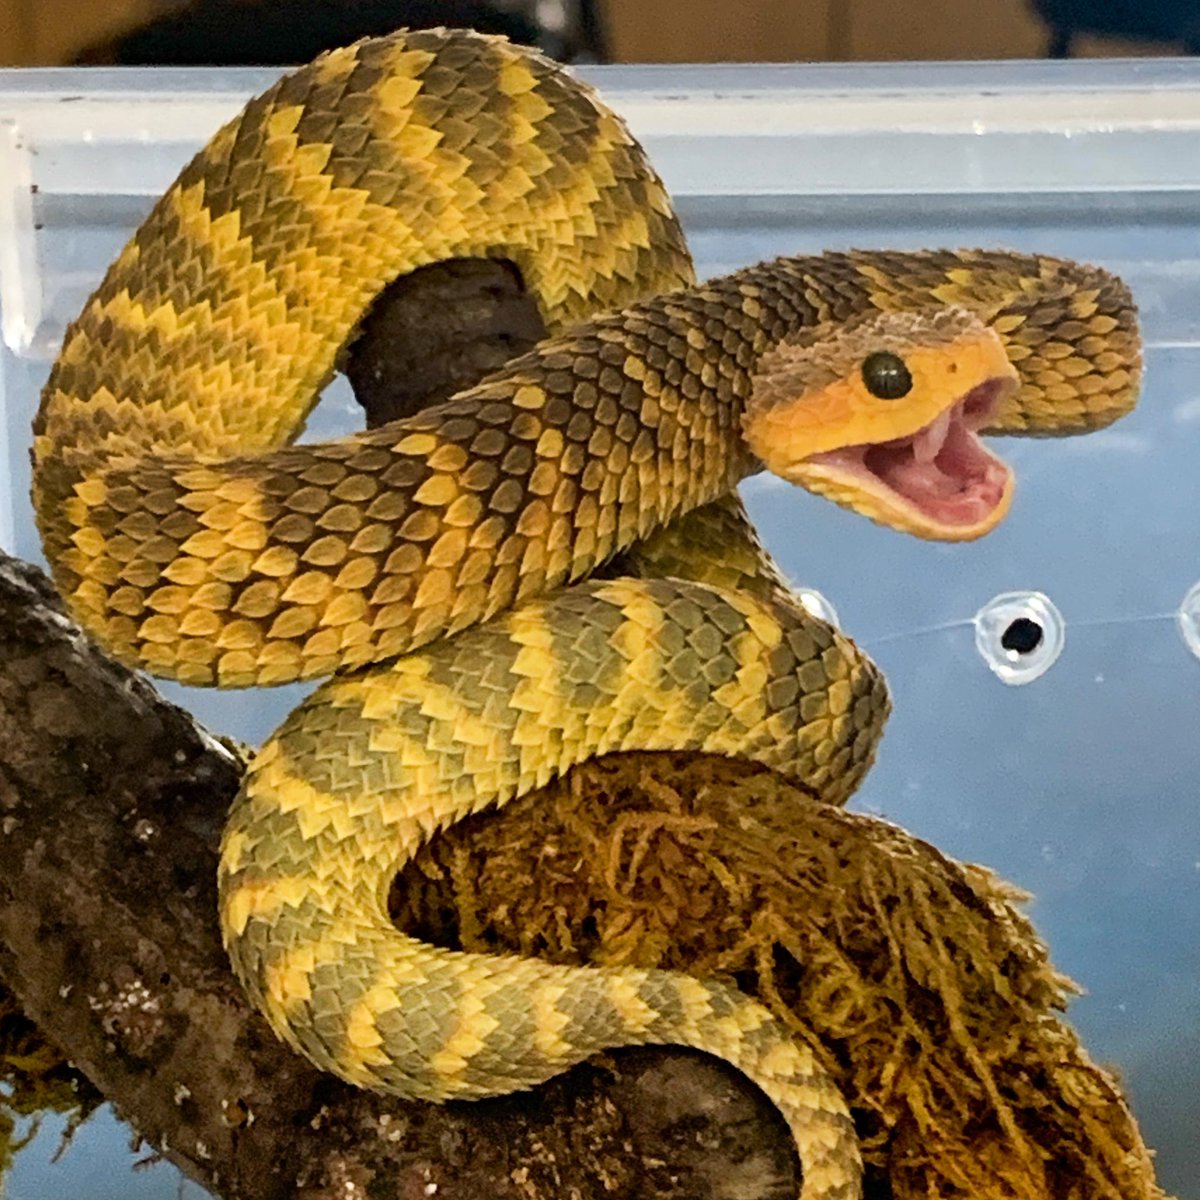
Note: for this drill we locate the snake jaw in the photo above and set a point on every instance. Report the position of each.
(940, 483)
(913, 460)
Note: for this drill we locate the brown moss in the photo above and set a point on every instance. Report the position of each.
(919, 979)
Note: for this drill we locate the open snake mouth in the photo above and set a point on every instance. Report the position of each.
(884, 418)
(940, 481)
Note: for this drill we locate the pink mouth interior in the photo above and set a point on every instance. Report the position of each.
(943, 470)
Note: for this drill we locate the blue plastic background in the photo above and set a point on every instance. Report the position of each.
(1081, 787)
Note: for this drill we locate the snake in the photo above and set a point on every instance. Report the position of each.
(548, 566)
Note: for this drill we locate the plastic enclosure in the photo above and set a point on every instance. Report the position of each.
(1082, 784)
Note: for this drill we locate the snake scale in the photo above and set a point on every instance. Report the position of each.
(549, 566)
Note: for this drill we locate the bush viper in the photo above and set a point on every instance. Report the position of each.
(546, 567)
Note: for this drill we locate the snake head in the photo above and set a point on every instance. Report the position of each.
(882, 415)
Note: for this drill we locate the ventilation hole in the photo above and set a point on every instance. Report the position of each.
(1023, 636)
(1020, 636)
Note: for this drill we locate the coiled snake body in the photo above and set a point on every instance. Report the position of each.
(437, 568)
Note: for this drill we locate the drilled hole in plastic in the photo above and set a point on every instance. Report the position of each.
(1020, 636)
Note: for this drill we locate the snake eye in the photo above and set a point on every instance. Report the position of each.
(886, 376)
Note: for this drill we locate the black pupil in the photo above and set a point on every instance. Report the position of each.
(1023, 636)
(886, 376)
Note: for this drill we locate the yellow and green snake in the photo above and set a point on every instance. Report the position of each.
(547, 567)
